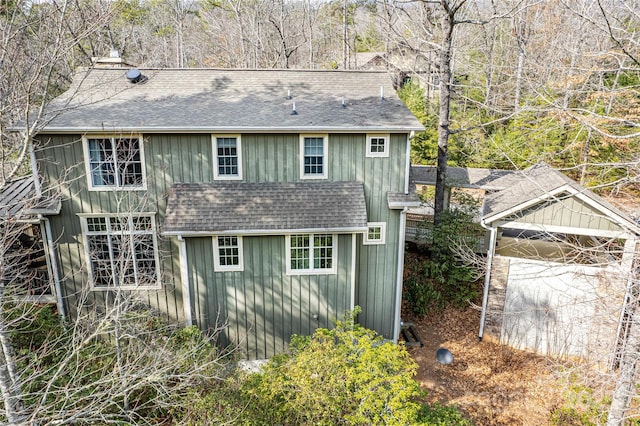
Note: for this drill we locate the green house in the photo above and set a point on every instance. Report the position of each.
(259, 203)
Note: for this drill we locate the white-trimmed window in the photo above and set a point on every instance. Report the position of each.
(376, 233)
(227, 251)
(114, 162)
(311, 254)
(377, 145)
(313, 156)
(122, 251)
(227, 153)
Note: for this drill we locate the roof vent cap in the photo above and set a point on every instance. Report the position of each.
(135, 76)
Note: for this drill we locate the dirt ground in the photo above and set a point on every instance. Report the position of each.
(490, 383)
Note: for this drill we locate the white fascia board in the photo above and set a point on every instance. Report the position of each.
(560, 229)
(526, 204)
(229, 129)
(400, 206)
(260, 232)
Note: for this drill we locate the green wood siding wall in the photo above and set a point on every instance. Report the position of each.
(265, 157)
(262, 306)
(566, 210)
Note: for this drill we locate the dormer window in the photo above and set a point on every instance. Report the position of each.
(114, 162)
(228, 159)
(377, 145)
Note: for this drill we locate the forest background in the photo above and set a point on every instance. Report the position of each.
(531, 81)
(553, 81)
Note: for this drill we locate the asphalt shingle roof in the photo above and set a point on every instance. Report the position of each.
(461, 177)
(255, 208)
(103, 99)
(536, 181)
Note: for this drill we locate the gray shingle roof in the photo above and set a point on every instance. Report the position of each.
(265, 208)
(461, 177)
(522, 186)
(103, 99)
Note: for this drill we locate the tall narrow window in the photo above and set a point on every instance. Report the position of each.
(228, 253)
(313, 163)
(122, 251)
(311, 254)
(377, 145)
(227, 157)
(115, 162)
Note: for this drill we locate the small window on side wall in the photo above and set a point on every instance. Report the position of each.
(227, 253)
(377, 145)
(376, 233)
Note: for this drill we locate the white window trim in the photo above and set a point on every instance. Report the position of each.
(86, 233)
(312, 271)
(214, 142)
(85, 151)
(325, 156)
(216, 256)
(383, 233)
(387, 140)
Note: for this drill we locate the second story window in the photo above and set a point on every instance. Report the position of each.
(313, 164)
(115, 162)
(228, 160)
(377, 145)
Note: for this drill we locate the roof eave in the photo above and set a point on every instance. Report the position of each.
(226, 129)
(261, 232)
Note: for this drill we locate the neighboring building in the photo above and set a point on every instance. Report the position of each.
(268, 202)
(561, 261)
(404, 64)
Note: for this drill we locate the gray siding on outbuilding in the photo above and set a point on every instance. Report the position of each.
(262, 299)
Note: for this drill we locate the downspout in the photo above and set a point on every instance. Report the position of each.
(493, 232)
(184, 277)
(399, 277)
(407, 169)
(54, 265)
(352, 302)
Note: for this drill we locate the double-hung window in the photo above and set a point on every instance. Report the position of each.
(376, 233)
(311, 254)
(227, 251)
(228, 159)
(377, 145)
(114, 162)
(313, 158)
(122, 251)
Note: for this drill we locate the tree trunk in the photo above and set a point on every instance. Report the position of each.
(446, 81)
(9, 381)
(626, 385)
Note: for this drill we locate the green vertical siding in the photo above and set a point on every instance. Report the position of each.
(262, 306)
(261, 303)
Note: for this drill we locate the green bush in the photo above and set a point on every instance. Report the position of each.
(348, 375)
(580, 408)
(440, 277)
(442, 415)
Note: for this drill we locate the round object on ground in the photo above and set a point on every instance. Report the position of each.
(444, 356)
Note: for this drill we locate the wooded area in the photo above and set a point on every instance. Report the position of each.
(497, 85)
